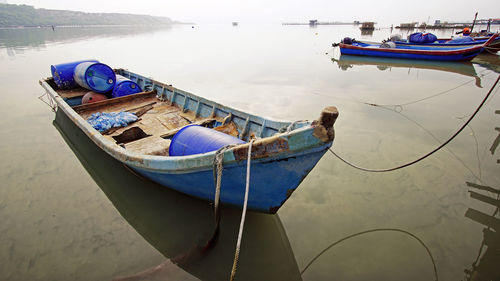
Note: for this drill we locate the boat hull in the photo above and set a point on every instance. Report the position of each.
(464, 54)
(271, 181)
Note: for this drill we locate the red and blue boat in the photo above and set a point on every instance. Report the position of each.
(415, 51)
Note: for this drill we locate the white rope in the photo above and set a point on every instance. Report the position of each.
(50, 101)
(243, 214)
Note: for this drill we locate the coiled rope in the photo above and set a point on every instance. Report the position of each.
(243, 213)
(429, 153)
(375, 230)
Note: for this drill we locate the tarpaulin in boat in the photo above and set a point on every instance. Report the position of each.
(103, 121)
(419, 37)
(462, 39)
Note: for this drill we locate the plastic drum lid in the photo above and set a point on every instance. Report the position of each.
(100, 77)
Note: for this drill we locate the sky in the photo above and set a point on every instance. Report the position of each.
(278, 11)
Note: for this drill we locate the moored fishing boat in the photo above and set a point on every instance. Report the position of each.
(283, 153)
(426, 52)
(465, 41)
(178, 226)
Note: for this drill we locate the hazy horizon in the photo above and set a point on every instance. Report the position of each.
(258, 11)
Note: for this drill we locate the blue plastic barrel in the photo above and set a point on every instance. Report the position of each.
(195, 139)
(124, 87)
(63, 73)
(95, 76)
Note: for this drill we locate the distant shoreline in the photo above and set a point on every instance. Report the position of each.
(95, 25)
(25, 16)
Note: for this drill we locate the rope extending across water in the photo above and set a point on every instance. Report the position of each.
(429, 153)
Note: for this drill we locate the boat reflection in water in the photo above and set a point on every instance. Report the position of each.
(485, 267)
(176, 224)
(489, 61)
(464, 68)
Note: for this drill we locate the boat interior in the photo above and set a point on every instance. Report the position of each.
(162, 110)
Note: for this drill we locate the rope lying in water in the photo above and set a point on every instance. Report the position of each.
(243, 213)
(375, 230)
(429, 153)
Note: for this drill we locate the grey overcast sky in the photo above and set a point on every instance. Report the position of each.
(275, 11)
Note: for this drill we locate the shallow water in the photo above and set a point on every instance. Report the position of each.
(69, 212)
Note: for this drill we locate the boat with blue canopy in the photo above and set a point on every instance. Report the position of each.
(282, 153)
(419, 52)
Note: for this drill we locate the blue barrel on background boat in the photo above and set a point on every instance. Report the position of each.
(124, 87)
(195, 139)
(63, 73)
(95, 76)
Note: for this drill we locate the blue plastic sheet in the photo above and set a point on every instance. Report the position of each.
(462, 39)
(419, 37)
(103, 121)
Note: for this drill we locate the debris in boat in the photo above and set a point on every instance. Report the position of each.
(142, 109)
(229, 128)
(130, 135)
(103, 121)
(388, 45)
(91, 97)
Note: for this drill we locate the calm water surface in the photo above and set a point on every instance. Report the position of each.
(70, 212)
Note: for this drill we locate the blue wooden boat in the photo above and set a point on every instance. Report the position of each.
(174, 224)
(493, 46)
(419, 52)
(283, 152)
